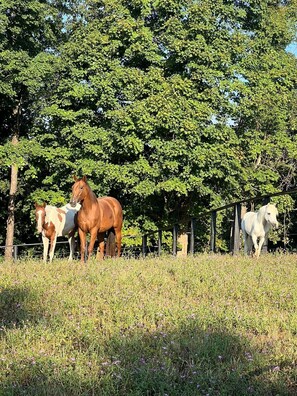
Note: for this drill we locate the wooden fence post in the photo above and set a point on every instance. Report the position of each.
(144, 245)
(236, 229)
(159, 242)
(192, 236)
(15, 252)
(174, 239)
(213, 230)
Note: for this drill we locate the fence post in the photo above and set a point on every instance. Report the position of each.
(15, 252)
(174, 239)
(159, 242)
(144, 245)
(213, 230)
(192, 236)
(236, 228)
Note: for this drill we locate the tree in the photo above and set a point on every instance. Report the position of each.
(171, 106)
(156, 102)
(29, 32)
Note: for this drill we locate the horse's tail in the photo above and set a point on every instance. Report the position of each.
(110, 243)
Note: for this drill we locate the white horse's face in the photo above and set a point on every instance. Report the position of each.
(40, 216)
(271, 214)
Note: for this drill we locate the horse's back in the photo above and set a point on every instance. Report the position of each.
(63, 218)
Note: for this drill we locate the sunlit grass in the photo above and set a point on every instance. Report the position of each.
(216, 325)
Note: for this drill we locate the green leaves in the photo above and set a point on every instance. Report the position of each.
(161, 104)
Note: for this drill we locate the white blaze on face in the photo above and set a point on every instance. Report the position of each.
(39, 220)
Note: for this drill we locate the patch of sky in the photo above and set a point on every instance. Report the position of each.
(292, 48)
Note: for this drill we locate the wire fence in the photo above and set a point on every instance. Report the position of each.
(152, 243)
(35, 251)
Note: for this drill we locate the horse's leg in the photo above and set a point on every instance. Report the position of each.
(93, 238)
(249, 244)
(110, 243)
(71, 244)
(245, 242)
(53, 246)
(100, 250)
(45, 242)
(256, 246)
(261, 241)
(118, 233)
(82, 239)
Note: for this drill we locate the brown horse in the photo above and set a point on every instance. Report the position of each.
(96, 216)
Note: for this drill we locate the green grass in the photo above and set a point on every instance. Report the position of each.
(206, 325)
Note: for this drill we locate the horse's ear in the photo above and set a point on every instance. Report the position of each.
(35, 204)
(75, 178)
(44, 204)
(84, 178)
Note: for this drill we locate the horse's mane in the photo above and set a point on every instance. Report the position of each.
(91, 192)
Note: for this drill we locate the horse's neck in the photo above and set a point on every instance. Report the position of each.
(89, 201)
(47, 211)
(50, 213)
(261, 216)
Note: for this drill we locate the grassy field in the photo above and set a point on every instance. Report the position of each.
(205, 325)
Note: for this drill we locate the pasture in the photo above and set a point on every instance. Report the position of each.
(202, 325)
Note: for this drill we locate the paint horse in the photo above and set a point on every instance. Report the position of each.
(96, 216)
(55, 222)
(256, 225)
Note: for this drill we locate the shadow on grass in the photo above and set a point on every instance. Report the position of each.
(18, 306)
(183, 361)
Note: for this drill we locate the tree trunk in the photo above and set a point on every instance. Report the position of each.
(12, 191)
(11, 211)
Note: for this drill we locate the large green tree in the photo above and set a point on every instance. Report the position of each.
(166, 104)
(171, 106)
(30, 32)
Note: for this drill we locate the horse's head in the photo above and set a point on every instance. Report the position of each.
(79, 191)
(40, 216)
(271, 214)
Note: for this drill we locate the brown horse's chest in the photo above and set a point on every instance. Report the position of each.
(86, 222)
(49, 230)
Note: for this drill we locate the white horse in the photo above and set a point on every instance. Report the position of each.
(256, 225)
(55, 222)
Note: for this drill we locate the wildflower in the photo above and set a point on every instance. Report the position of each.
(248, 356)
(116, 362)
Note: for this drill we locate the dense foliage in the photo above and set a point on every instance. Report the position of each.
(171, 106)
